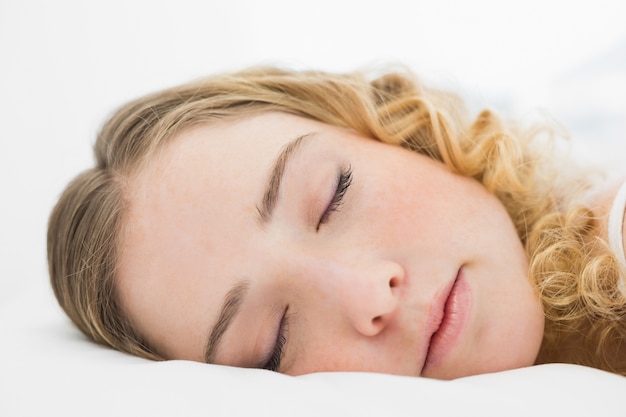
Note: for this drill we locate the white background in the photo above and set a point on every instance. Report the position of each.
(65, 65)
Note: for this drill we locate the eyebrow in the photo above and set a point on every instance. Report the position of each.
(272, 188)
(230, 308)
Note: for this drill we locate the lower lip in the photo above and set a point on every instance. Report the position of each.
(455, 317)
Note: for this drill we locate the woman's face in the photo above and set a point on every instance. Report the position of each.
(277, 241)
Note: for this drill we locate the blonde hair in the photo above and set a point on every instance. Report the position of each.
(574, 275)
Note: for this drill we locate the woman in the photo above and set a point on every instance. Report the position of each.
(305, 221)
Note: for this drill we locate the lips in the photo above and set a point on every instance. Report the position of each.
(447, 320)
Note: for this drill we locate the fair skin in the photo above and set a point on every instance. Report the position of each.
(371, 258)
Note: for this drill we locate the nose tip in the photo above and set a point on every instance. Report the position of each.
(379, 308)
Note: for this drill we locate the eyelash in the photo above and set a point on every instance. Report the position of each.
(273, 364)
(343, 183)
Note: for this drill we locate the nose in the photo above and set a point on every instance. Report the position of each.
(369, 295)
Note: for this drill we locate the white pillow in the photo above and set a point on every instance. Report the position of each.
(48, 368)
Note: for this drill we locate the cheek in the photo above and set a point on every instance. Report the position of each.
(426, 210)
(326, 354)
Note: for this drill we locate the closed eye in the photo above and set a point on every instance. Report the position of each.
(344, 179)
(273, 363)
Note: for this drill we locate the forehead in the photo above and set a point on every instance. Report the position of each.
(221, 159)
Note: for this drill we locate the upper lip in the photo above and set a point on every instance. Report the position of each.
(436, 314)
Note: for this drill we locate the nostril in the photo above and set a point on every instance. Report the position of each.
(376, 320)
(393, 282)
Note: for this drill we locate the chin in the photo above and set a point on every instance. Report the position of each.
(489, 363)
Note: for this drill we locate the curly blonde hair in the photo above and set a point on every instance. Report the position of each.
(573, 272)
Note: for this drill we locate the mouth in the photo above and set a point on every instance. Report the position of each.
(447, 321)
